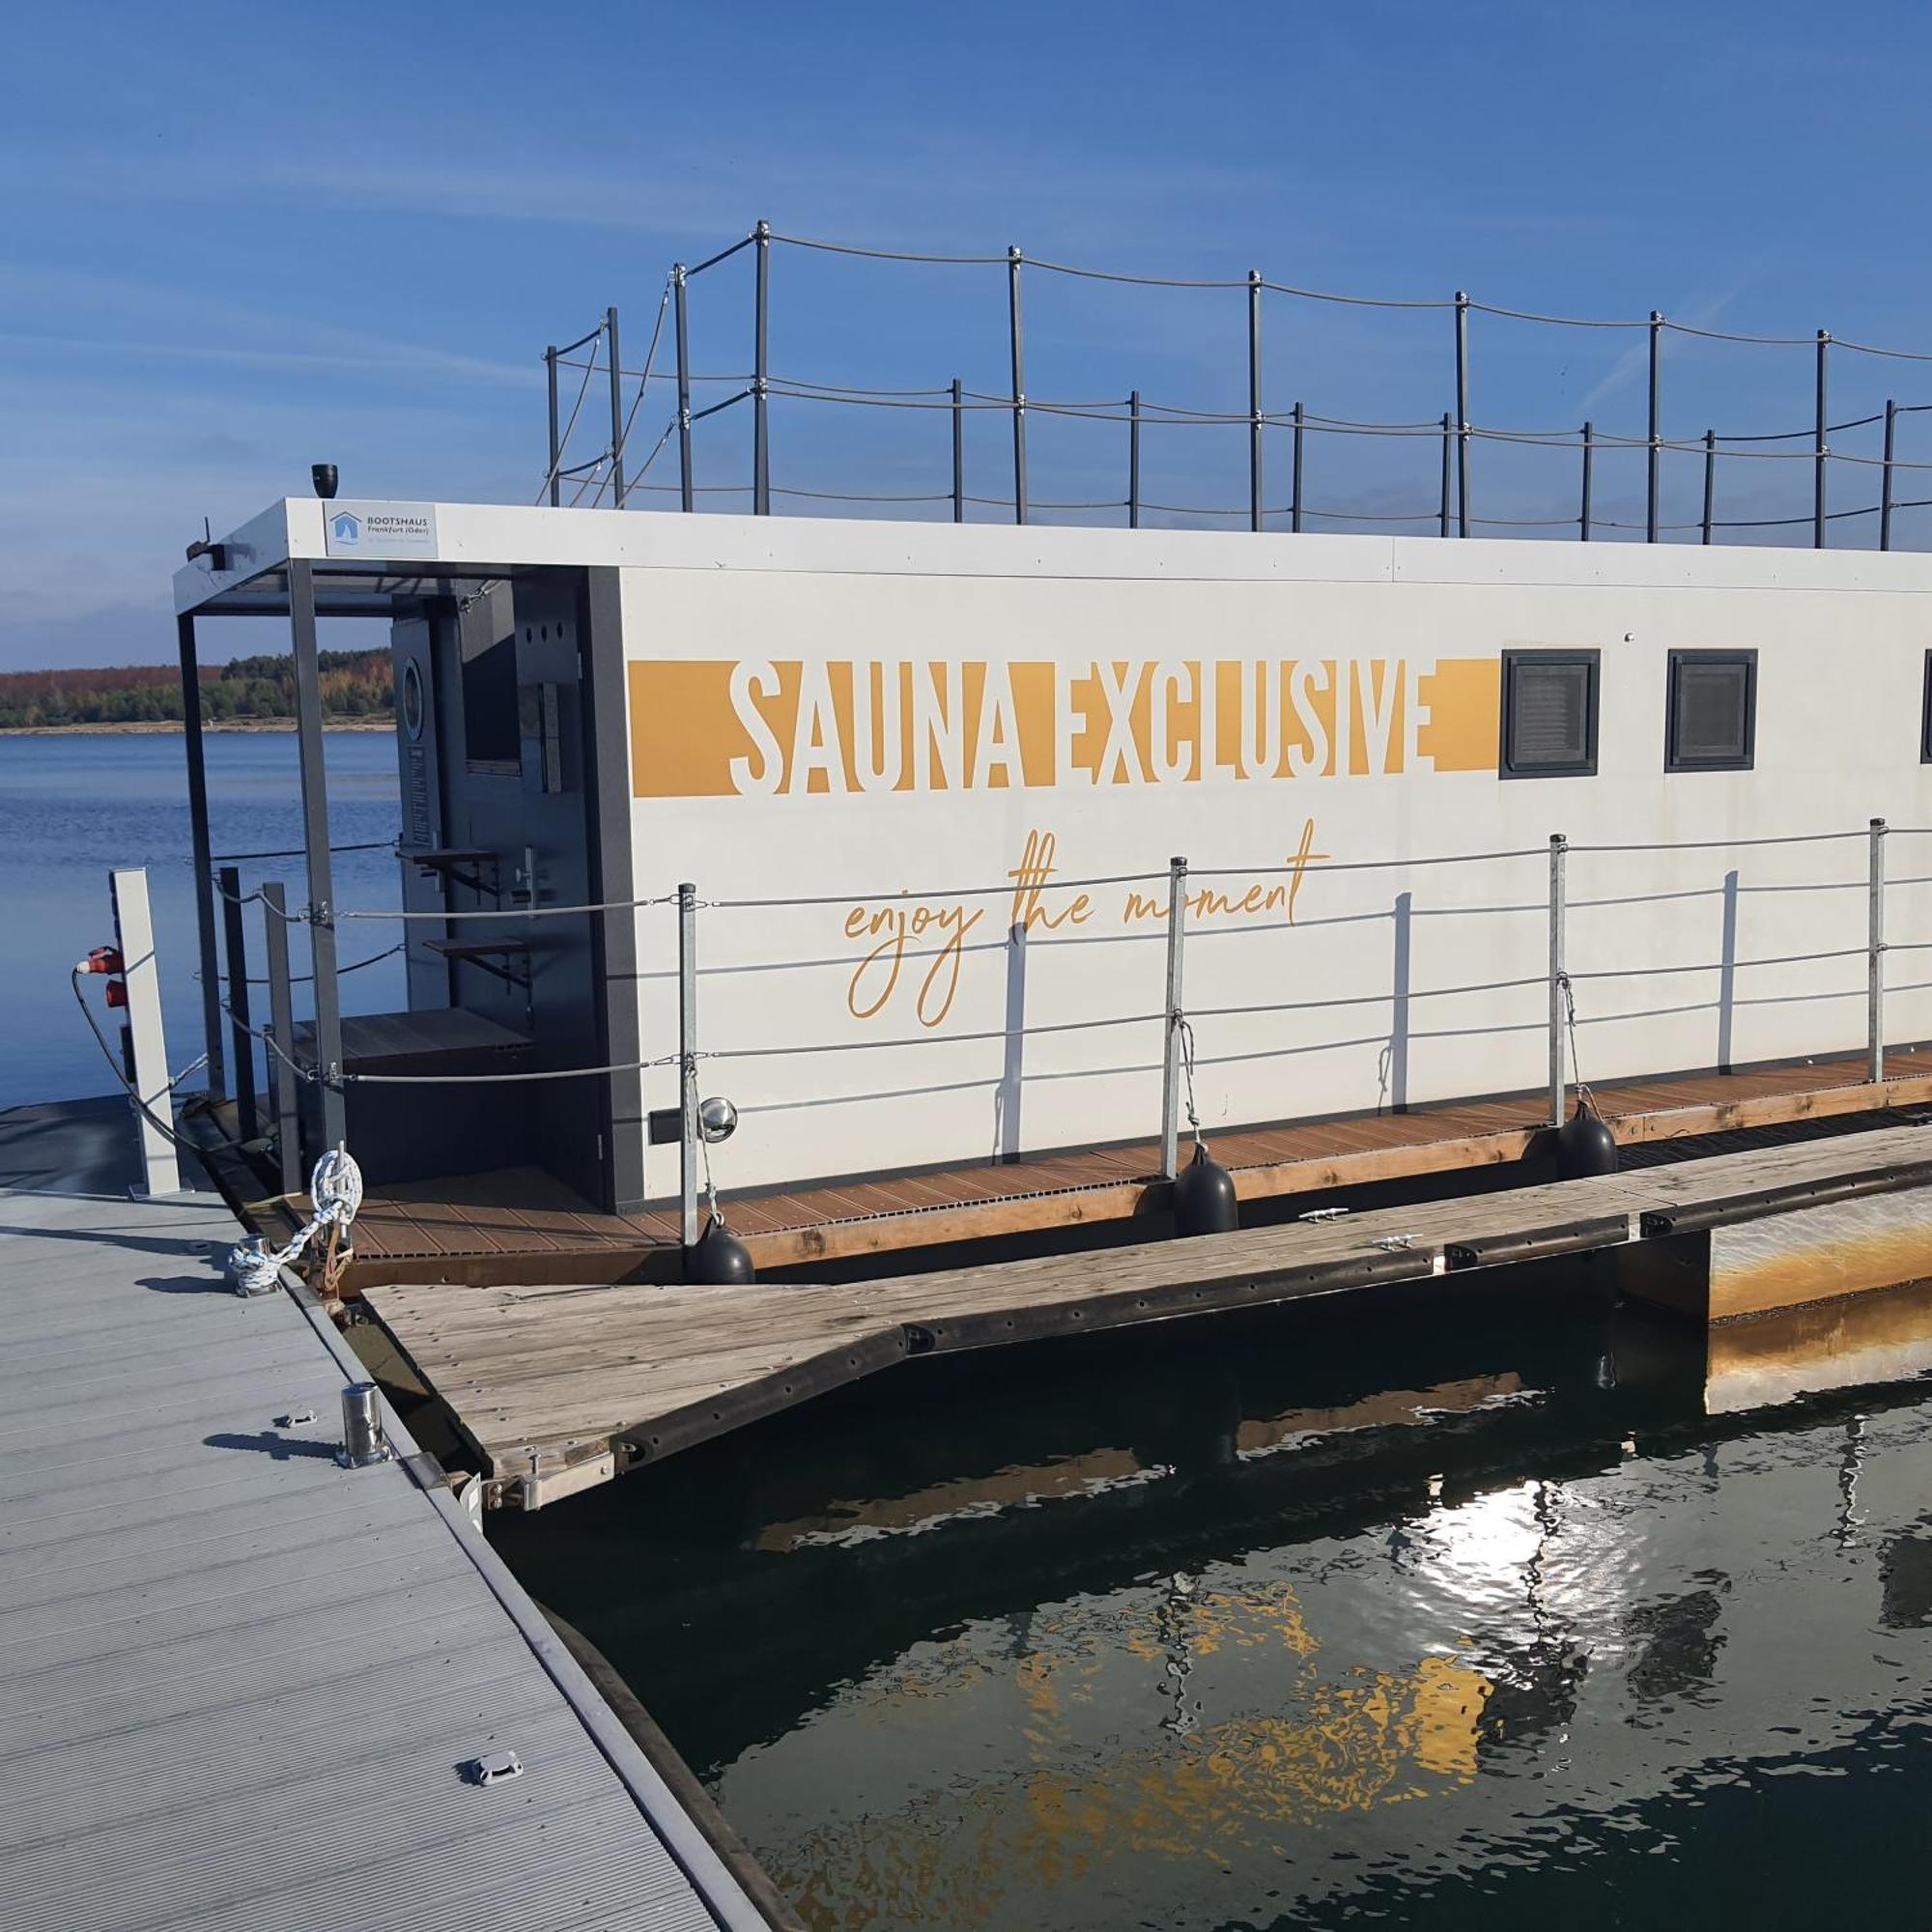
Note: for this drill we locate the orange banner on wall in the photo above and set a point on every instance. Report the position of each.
(720, 727)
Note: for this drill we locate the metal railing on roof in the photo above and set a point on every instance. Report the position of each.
(610, 475)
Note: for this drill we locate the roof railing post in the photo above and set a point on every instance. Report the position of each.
(1134, 460)
(1822, 453)
(681, 328)
(616, 411)
(1173, 1020)
(555, 490)
(1294, 476)
(761, 449)
(1885, 474)
(1710, 481)
(1255, 514)
(1655, 437)
(958, 452)
(1017, 343)
(1448, 428)
(1462, 413)
(1589, 452)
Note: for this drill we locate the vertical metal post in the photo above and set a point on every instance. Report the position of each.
(761, 445)
(147, 1043)
(1589, 453)
(959, 453)
(1727, 973)
(1447, 427)
(1462, 413)
(1295, 500)
(1013, 1074)
(1822, 454)
(616, 411)
(687, 1064)
(236, 945)
(556, 455)
(1017, 342)
(1255, 518)
(1650, 480)
(203, 853)
(1560, 848)
(282, 1021)
(1710, 479)
(681, 328)
(1885, 476)
(315, 846)
(1875, 958)
(1171, 1068)
(1398, 996)
(1134, 460)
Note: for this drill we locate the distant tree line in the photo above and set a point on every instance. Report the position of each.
(354, 684)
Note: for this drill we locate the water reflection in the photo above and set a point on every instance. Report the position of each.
(1433, 1606)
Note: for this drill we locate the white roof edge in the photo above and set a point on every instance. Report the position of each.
(260, 544)
(479, 536)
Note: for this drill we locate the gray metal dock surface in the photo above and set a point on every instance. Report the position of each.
(236, 1681)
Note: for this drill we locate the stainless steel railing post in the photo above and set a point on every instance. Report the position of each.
(687, 1064)
(235, 947)
(1169, 1084)
(1875, 958)
(1560, 848)
(283, 1018)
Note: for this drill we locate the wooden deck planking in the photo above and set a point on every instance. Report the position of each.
(543, 1380)
(476, 1225)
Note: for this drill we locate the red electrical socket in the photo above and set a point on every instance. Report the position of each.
(117, 992)
(105, 960)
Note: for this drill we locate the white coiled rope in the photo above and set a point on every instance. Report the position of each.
(335, 1189)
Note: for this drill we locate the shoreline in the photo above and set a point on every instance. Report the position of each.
(146, 728)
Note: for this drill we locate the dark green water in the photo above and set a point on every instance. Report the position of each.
(1463, 1611)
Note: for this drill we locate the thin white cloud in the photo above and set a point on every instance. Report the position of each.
(1634, 360)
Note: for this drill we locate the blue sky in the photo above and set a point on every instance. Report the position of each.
(238, 240)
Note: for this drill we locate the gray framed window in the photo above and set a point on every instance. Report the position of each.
(1711, 714)
(1549, 713)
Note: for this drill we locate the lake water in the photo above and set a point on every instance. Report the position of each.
(1453, 1609)
(74, 808)
(1462, 1607)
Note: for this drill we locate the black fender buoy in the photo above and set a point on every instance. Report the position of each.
(719, 1259)
(1584, 1145)
(1204, 1196)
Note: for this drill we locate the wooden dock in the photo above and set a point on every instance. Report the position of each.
(238, 1683)
(558, 1387)
(521, 1224)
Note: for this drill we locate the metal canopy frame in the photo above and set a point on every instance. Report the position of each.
(302, 590)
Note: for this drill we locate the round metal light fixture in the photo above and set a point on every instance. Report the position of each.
(717, 1119)
(323, 476)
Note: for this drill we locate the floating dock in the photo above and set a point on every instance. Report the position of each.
(479, 1229)
(237, 1681)
(557, 1388)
